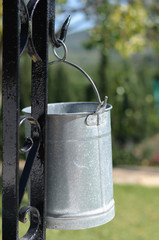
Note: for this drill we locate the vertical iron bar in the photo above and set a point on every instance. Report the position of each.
(39, 110)
(10, 98)
(52, 20)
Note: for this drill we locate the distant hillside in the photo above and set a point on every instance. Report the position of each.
(78, 53)
(74, 41)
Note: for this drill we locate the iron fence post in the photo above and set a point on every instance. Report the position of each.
(39, 110)
(10, 99)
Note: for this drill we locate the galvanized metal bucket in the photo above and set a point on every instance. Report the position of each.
(79, 164)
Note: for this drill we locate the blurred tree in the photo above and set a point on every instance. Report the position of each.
(153, 24)
(119, 27)
(125, 28)
(152, 21)
(59, 89)
(25, 81)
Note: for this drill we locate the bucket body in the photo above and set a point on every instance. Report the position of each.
(79, 166)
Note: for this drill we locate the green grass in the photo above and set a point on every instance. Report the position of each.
(137, 218)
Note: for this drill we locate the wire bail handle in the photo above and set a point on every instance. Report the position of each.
(102, 104)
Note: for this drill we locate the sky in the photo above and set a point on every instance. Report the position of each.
(79, 22)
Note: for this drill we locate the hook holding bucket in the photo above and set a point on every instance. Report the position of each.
(102, 104)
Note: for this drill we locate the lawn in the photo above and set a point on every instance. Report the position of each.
(137, 218)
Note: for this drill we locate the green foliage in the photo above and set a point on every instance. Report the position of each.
(61, 1)
(122, 27)
(25, 81)
(59, 84)
(126, 81)
(134, 116)
(1, 134)
(152, 33)
(134, 113)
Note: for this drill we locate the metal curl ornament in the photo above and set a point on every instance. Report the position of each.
(31, 145)
(35, 221)
(24, 35)
(26, 41)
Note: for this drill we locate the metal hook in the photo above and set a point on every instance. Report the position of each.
(63, 32)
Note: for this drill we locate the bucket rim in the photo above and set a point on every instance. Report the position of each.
(27, 110)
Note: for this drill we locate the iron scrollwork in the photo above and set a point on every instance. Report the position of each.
(35, 215)
(26, 40)
(32, 143)
(31, 146)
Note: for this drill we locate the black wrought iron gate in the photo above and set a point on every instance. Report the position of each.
(25, 27)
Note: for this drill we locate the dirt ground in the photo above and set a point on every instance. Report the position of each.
(146, 176)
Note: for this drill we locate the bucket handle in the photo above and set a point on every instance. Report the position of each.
(102, 104)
